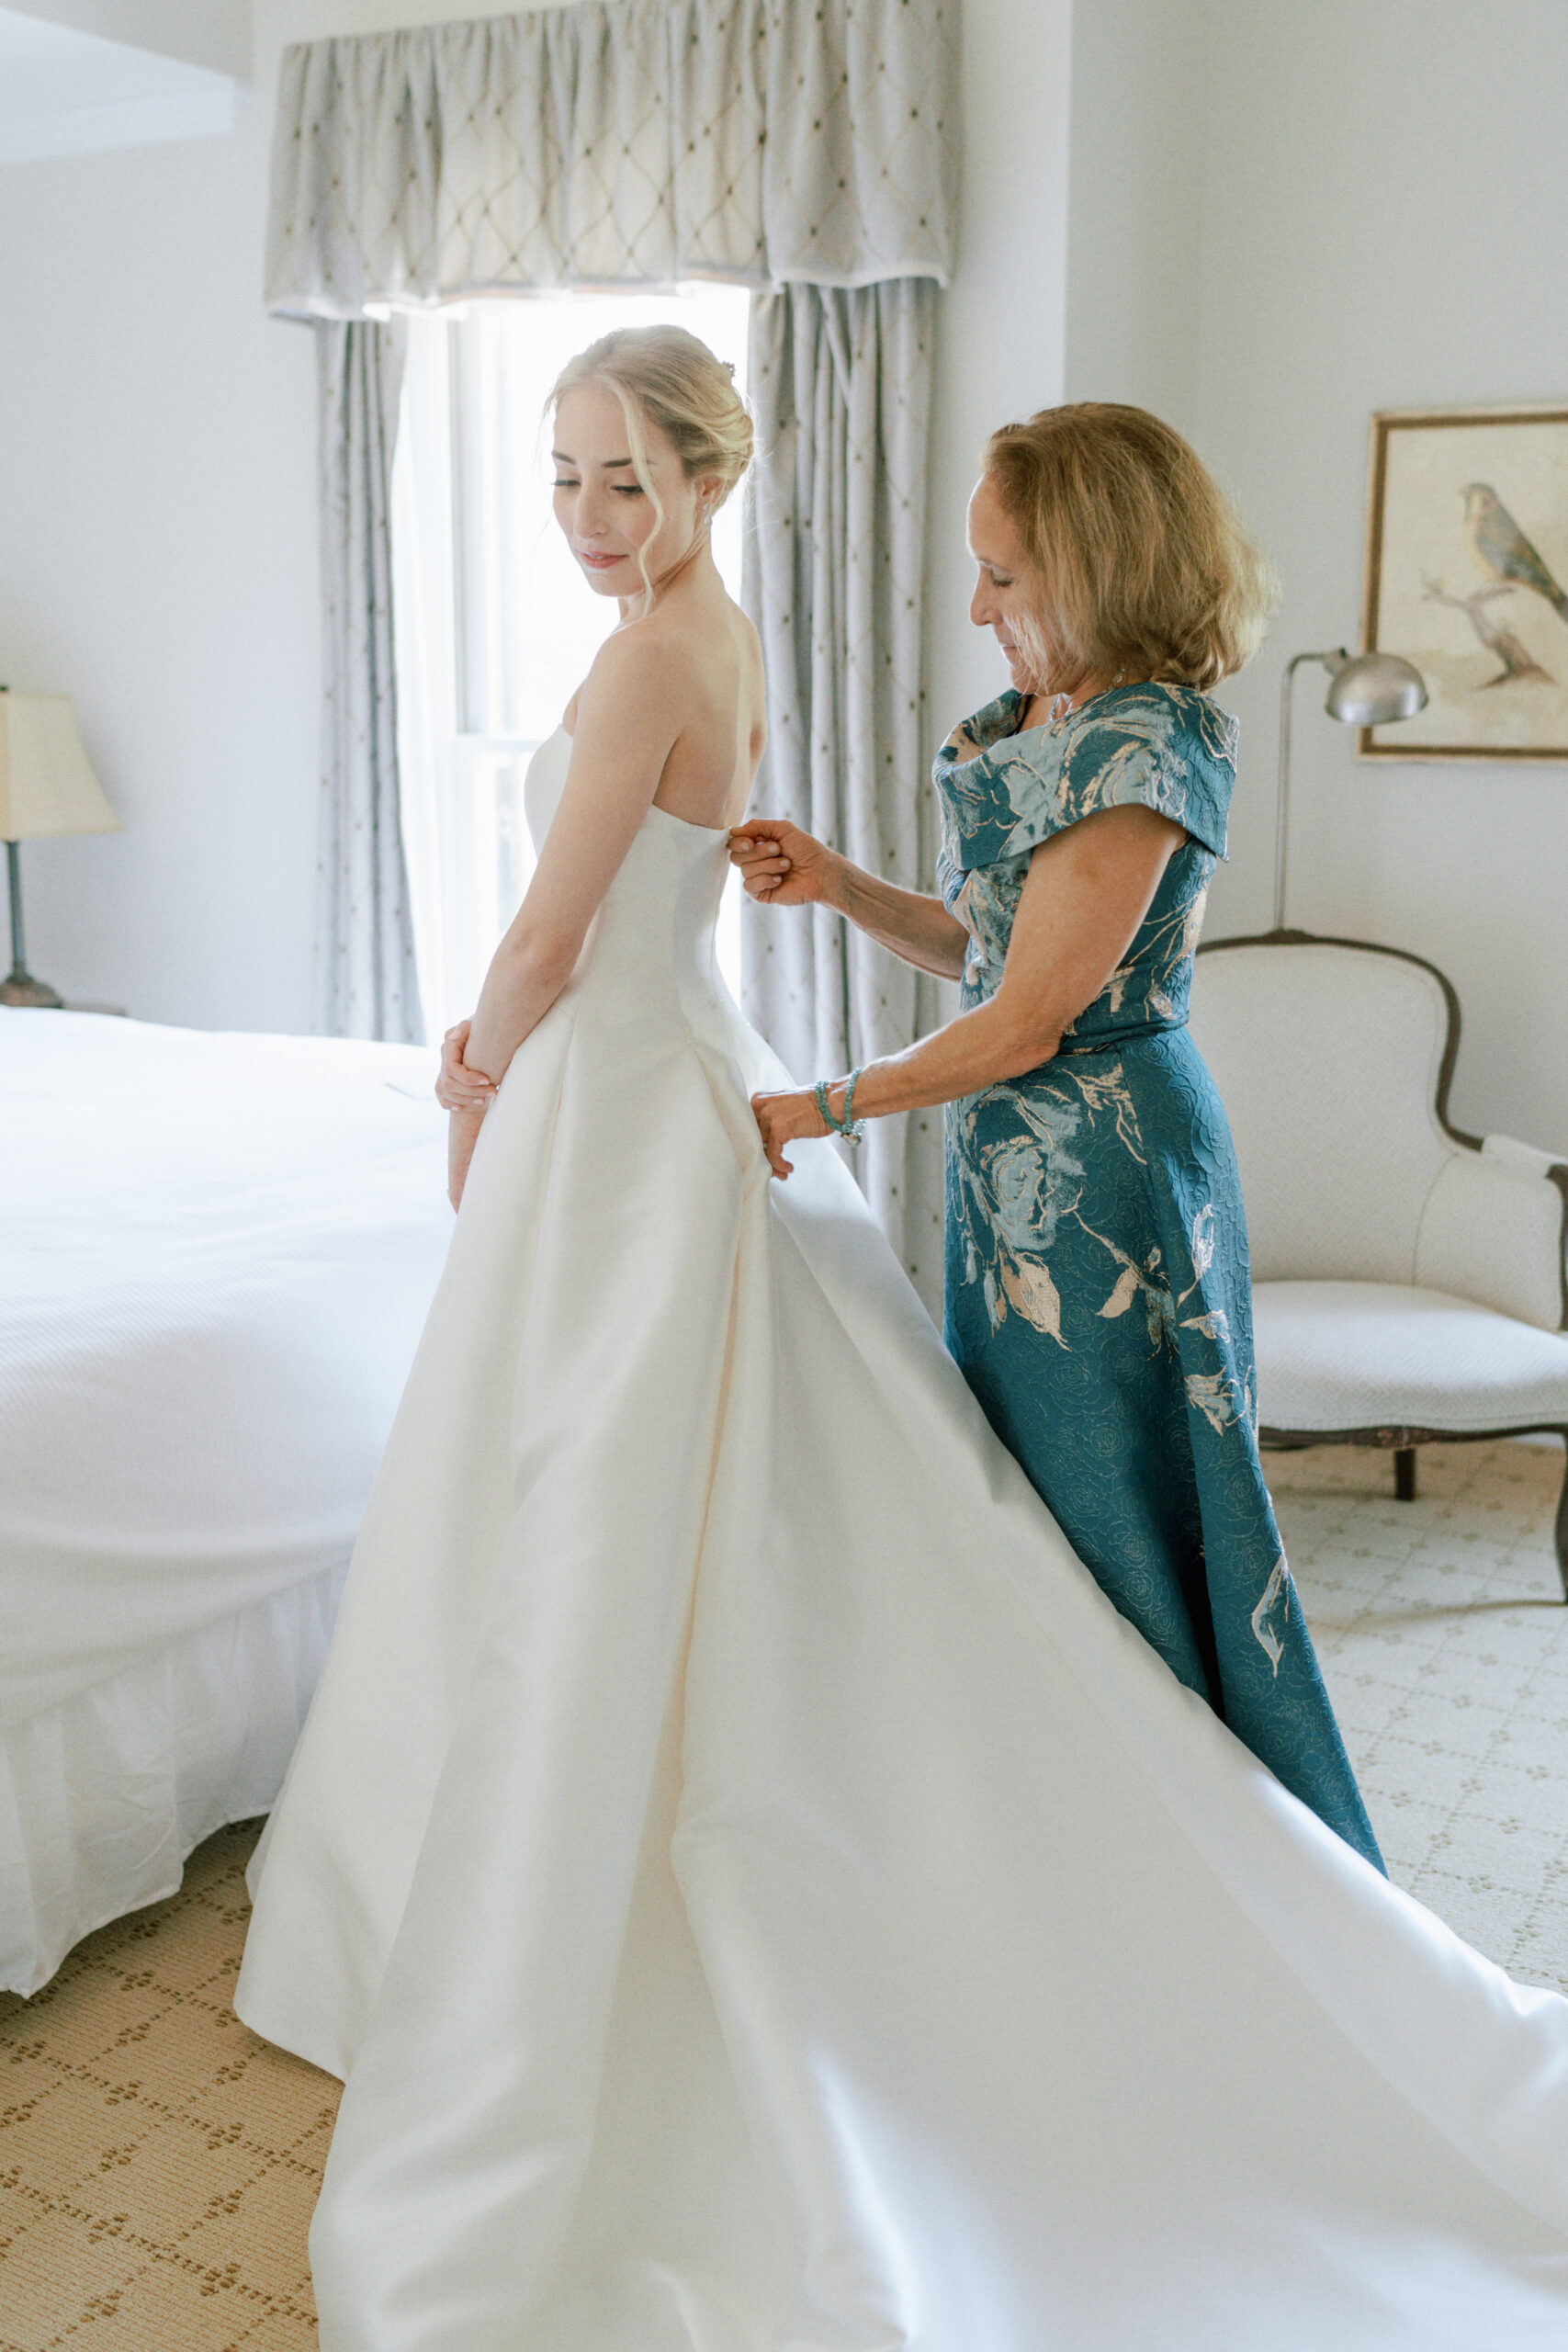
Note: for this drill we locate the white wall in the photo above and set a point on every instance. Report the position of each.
(158, 564)
(1134, 205)
(1281, 219)
(1385, 222)
(999, 344)
(158, 560)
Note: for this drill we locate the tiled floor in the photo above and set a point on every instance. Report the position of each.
(1444, 1642)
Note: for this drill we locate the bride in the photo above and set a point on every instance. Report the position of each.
(759, 1892)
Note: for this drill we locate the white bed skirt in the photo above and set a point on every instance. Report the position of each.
(102, 1797)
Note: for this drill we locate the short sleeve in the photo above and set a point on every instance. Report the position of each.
(1165, 748)
(1180, 771)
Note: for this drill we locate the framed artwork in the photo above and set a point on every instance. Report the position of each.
(1467, 576)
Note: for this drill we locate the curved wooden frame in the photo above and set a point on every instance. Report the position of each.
(1401, 1441)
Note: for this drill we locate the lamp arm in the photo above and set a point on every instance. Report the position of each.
(1332, 659)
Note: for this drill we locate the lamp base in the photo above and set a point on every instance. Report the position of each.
(21, 988)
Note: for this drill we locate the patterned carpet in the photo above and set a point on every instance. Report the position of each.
(158, 2164)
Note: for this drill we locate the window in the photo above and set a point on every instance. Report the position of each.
(495, 626)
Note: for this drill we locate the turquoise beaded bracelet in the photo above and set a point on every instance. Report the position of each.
(846, 1127)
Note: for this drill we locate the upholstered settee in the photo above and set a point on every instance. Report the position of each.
(1410, 1281)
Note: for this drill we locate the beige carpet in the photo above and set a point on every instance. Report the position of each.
(158, 2164)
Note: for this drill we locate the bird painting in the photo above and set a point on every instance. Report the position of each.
(1517, 658)
(1467, 575)
(1501, 551)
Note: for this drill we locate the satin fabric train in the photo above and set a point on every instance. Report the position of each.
(761, 1894)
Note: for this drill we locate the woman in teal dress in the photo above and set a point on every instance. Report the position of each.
(1098, 1289)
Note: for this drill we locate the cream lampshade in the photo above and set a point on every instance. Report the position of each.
(46, 786)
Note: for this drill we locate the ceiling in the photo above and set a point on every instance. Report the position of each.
(65, 92)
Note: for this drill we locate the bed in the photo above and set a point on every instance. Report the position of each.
(216, 1254)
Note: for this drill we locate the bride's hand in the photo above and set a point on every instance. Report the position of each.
(781, 866)
(462, 1135)
(784, 1118)
(458, 1088)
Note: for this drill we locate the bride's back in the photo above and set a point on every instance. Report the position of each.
(702, 654)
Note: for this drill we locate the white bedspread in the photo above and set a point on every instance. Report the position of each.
(216, 1254)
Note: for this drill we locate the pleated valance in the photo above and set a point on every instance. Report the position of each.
(615, 143)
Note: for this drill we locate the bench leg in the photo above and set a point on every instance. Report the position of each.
(1561, 1531)
(1404, 1474)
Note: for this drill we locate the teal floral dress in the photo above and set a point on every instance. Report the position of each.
(1099, 1297)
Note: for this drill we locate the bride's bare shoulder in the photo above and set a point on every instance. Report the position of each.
(746, 637)
(751, 643)
(665, 664)
(646, 647)
(632, 672)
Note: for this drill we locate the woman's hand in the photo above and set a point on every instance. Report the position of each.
(781, 866)
(784, 1118)
(458, 1088)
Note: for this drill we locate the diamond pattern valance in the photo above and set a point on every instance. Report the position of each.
(617, 143)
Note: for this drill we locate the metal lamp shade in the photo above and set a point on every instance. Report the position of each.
(1364, 690)
(1373, 689)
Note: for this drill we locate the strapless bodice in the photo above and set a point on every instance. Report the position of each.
(653, 935)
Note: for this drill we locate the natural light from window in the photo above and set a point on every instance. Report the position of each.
(495, 624)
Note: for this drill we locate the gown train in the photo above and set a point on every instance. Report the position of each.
(759, 1893)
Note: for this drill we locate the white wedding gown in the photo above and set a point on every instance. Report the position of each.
(761, 1896)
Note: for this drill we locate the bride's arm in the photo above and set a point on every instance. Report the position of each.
(782, 866)
(629, 713)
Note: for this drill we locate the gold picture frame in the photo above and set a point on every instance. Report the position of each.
(1467, 576)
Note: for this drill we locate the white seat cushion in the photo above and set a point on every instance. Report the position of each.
(1379, 1355)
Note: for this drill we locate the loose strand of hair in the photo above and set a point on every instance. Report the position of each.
(637, 446)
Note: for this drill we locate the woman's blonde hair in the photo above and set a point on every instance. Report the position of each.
(1145, 568)
(666, 377)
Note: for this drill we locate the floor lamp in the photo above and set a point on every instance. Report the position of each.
(46, 786)
(1364, 690)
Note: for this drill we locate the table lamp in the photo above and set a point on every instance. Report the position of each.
(1364, 690)
(46, 786)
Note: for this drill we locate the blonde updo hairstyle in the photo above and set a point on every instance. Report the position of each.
(1145, 569)
(669, 377)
